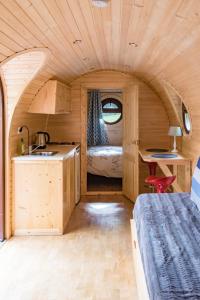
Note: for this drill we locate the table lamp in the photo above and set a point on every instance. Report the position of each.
(175, 131)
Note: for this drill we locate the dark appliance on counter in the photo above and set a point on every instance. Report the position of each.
(42, 139)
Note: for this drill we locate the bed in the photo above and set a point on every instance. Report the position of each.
(105, 161)
(168, 232)
(166, 244)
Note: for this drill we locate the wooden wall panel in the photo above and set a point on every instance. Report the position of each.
(115, 133)
(186, 81)
(153, 119)
(153, 128)
(67, 127)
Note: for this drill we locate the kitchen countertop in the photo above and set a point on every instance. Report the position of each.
(63, 152)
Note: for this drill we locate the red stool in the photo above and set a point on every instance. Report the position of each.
(160, 183)
(152, 167)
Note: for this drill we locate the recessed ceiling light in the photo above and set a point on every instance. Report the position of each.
(100, 3)
(77, 42)
(133, 44)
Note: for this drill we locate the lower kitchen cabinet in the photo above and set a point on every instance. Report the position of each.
(43, 195)
(68, 189)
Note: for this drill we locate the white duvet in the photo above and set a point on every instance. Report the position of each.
(105, 161)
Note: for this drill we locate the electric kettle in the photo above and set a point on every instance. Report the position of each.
(42, 138)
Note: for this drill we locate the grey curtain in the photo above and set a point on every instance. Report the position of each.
(96, 131)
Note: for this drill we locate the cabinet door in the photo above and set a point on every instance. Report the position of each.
(68, 189)
(44, 101)
(53, 98)
(72, 183)
(62, 98)
(37, 189)
(66, 192)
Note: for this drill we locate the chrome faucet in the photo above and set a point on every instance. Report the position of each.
(19, 130)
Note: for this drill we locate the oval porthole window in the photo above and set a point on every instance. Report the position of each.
(186, 119)
(112, 110)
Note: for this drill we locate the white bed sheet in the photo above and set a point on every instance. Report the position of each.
(105, 161)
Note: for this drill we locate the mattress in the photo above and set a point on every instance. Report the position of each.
(168, 230)
(105, 161)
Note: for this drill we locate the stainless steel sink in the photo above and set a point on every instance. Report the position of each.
(44, 153)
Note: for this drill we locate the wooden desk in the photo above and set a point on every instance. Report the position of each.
(163, 163)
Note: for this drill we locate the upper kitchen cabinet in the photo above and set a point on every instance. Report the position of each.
(53, 98)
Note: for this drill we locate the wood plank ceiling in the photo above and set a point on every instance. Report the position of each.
(139, 36)
(157, 40)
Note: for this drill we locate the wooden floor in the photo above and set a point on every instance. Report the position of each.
(92, 261)
(101, 183)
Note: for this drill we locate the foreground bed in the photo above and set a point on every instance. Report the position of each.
(166, 244)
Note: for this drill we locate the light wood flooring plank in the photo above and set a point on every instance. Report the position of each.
(92, 261)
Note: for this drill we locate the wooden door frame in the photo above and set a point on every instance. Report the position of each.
(2, 164)
(133, 133)
(84, 98)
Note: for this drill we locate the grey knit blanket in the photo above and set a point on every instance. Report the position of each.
(168, 228)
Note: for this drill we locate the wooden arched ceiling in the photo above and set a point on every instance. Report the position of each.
(140, 36)
(155, 40)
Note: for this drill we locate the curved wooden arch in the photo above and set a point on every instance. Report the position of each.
(30, 50)
(8, 73)
(176, 100)
(157, 87)
(17, 72)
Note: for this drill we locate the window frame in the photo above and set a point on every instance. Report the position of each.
(112, 110)
(184, 112)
